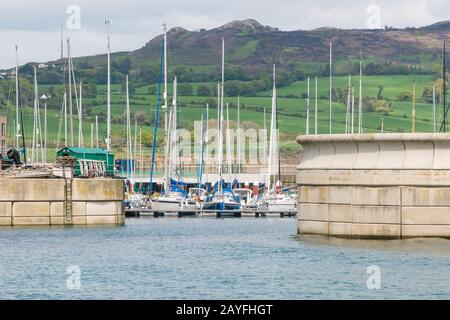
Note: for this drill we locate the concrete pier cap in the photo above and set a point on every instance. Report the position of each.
(394, 185)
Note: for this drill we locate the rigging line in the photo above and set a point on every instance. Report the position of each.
(21, 120)
(61, 118)
(158, 102)
(9, 106)
(444, 91)
(74, 81)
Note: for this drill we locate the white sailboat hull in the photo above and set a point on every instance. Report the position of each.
(172, 205)
(279, 206)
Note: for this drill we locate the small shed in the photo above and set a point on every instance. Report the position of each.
(94, 154)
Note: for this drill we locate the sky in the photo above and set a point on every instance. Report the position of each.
(35, 25)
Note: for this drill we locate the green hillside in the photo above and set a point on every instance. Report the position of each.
(291, 106)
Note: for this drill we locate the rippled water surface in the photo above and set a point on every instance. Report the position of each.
(215, 259)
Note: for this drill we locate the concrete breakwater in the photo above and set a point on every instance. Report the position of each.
(375, 185)
(52, 201)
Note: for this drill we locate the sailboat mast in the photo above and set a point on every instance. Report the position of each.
(92, 135)
(434, 108)
(331, 86)
(273, 138)
(349, 97)
(65, 119)
(62, 41)
(45, 129)
(80, 119)
(229, 151)
(239, 136)
(200, 156)
(278, 153)
(34, 154)
(315, 110)
(218, 129)
(129, 144)
(360, 93)
(207, 141)
(135, 155)
(17, 100)
(265, 138)
(165, 109)
(23, 137)
(174, 134)
(444, 88)
(353, 111)
(141, 156)
(69, 63)
(96, 131)
(39, 125)
(221, 119)
(413, 114)
(307, 111)
(108, 120)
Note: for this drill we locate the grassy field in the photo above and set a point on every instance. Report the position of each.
(292, 110)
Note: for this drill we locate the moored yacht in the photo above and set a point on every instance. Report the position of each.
(174, 200)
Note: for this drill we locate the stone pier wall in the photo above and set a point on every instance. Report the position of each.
(40, 202)
(375, 185)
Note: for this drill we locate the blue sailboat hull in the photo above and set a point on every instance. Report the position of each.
(221, 206)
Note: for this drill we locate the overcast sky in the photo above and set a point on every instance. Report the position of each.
(35, 25)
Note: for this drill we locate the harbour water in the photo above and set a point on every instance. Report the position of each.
(196, 258)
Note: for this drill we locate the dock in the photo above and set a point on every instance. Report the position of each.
(136, 213)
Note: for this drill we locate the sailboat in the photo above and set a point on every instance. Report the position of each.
(198, 194)
(223, 198)
(174, 197)
(37, 136)
(274, 199)
(246, 196)
(133, 200)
